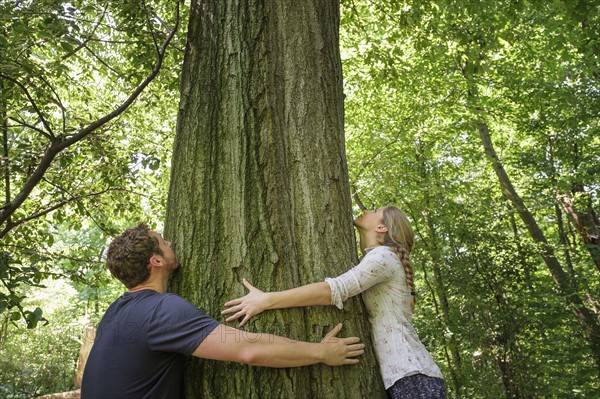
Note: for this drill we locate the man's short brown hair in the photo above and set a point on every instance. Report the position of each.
(128, 255)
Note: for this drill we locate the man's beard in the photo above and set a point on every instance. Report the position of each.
(172, 264)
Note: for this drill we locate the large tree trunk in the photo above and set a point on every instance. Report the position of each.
(259, 185)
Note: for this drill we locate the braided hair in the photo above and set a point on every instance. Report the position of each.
(400, 239)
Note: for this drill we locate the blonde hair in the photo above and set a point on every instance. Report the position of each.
(400, 238)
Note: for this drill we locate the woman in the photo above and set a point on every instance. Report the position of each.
(384, 276)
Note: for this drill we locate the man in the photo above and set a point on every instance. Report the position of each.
(144, 336)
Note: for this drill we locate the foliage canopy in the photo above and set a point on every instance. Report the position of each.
(420, 77)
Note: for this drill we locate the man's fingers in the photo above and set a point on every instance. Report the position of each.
(355, 353)
(355, 350)
(356, 347)
(351, 340)
(334, 332)
(351, 361)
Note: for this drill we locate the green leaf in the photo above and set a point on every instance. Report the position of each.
(154, 164)
(33, 318)
(68, 47)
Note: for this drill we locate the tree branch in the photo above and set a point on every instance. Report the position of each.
(356, 198)
(31, 100)
(57, 255)
(57, 101)
(22, 123)
(152, 32)
(96, 56)
(46, 211)
(57, 146)
(86, 41)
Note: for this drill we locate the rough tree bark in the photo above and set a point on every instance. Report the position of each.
(259, 185)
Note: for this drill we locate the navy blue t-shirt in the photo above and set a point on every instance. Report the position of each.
(141, 344)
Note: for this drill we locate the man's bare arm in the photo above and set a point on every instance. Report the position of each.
(259, 349)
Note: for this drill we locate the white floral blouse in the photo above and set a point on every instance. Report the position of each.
(381, 279)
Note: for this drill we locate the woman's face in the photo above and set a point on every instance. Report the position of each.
(369, 220)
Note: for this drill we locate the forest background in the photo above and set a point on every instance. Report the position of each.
(478, 118)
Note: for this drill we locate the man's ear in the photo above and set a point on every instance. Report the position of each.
(382, 228)
(156, 261)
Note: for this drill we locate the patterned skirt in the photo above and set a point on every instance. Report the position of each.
(418, 386)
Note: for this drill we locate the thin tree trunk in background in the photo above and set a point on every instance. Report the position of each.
(586, 318)
(4, 328)
(259, 186)
(5, 148)
(456, 370)
(440, 288)
(501, 335)
(585, 223)
(562, 236)
(5, 165)
(521, 257)
(506, 366)
(506, 339)
(564, 241)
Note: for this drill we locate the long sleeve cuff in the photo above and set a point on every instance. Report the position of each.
(336, 290)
